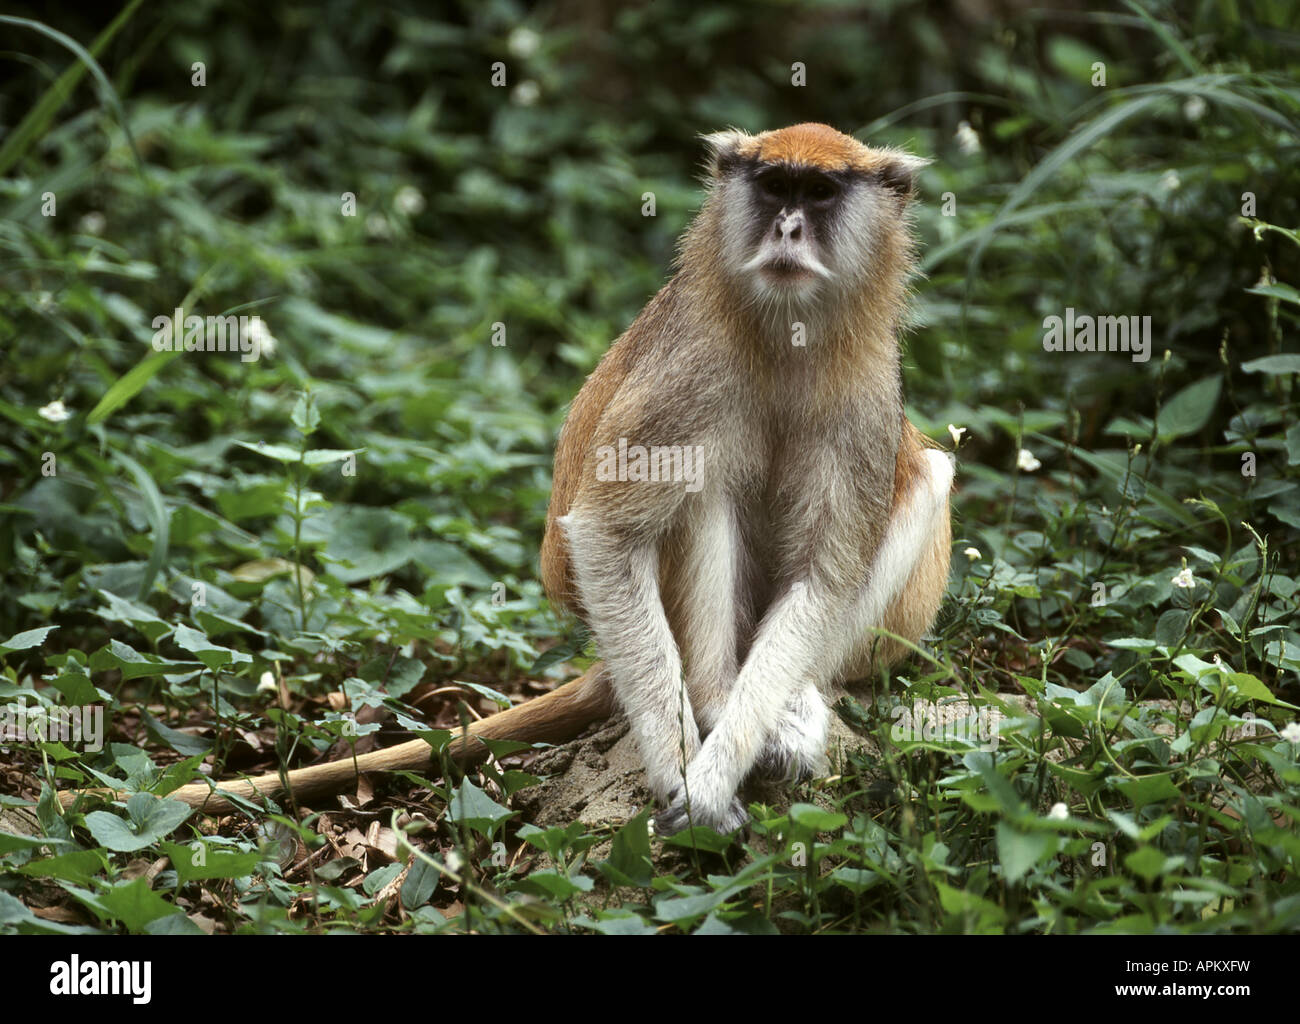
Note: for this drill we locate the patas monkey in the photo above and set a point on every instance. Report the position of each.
(739, 499)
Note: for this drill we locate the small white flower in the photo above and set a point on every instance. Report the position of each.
(526, 93)
(55, 412)
(973, 554)
(263, 340)
(523, 42)
(1194, 108)
(1169, 181)
(968, 139)
(956, 433)
(1184, 580)
(92, 223)
(408, 200)
(1026, 462)
(1059, 812)
(267, 683)
(44, 301)
(453, 861)
(377, 226)
(1291, 732)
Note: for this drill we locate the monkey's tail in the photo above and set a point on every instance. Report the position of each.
(551, 718)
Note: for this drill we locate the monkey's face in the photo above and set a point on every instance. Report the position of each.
(804, 234)
(809, 216)
(793, 213)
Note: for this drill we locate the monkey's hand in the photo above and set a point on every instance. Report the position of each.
(795, 749)
(730, 816)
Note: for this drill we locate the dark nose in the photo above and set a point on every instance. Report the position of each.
(789, 226)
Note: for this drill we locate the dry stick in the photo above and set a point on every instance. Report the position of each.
(551, 718)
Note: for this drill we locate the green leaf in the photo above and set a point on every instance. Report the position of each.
(159, 520)
(37, 120)
(630, 861)
(1019, 851)
(324, 456)
(204, 859)
(361, 542)
(476, 809)
(1145, 789)
(149, 820)
(1189, 410)
(128, 386)
(1276, 290)
(79, 866)
(10, 841)
(107, 93)
(73, 681)
(1251, 687)
(181, 742)
(132, 903)
(26, 640)
(380, 877)
(305, 416)
(555, 886)
(619, 921)
(138, 616)
(976, 913)
(856, 880)
(813, 818)
(134, 665)
(419, 884)
(1146, 862)
(496, 696)
(205, 650)
(1275, 366)
(278, 452)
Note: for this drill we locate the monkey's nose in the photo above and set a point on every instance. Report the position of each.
(789, 227)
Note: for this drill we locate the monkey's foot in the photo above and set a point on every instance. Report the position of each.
(674, 819)
(795, 750)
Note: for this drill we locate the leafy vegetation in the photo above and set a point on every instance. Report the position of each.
(255, 563)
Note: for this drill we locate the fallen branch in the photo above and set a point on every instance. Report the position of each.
(554, 717)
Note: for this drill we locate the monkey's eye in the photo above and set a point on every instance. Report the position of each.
(821, 191)
(774, 185)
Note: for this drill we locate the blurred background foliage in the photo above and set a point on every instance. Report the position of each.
(521, 205)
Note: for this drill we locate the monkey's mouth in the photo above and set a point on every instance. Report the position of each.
(786, 271)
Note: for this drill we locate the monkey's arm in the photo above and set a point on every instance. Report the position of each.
(618, 580)
(551, 718)
(807, 634)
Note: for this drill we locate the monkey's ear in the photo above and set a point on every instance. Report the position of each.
(899, 172)
(722, 150)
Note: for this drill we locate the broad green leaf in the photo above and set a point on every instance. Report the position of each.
(1019, 851)
(26, 640)
(1189, 410)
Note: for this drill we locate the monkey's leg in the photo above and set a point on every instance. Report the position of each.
(908, 616)
(805, 637)
(618, 581)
